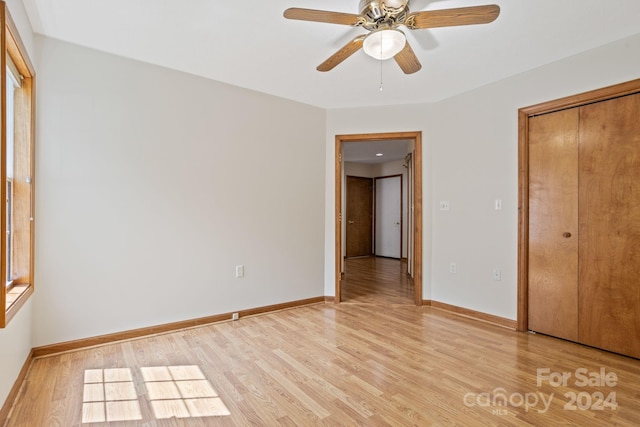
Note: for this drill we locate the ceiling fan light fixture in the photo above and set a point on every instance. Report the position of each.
(384, 44)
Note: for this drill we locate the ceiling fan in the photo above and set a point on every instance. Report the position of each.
(382, 19)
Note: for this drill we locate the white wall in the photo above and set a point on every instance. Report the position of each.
(15, 346)
(153, 185)
(358, 169)
(15, 339)
(470, 158)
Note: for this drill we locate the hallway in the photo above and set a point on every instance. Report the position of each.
(376, 280)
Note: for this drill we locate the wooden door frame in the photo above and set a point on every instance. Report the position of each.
(416, 137)
(524, 114)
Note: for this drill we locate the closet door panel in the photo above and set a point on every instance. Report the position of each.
(609, 234)
(553, 224)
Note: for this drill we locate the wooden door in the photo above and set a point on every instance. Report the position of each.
(553, 224)
(610, 225)
(359, 224)
(388, 241)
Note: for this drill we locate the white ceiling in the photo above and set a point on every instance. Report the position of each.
(362, 152)
(250, 44)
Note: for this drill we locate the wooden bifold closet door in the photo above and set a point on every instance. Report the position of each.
(584, 224)
(553, 224)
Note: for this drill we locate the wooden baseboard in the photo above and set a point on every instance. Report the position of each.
(329, 299)
(168, 327)
(477, 315)
(13, 393)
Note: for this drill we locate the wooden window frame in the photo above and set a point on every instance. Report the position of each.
(22, 254)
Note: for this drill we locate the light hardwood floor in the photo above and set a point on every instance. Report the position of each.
(376, 280)
(333, 365)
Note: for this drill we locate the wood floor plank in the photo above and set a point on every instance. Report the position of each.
(377, 280)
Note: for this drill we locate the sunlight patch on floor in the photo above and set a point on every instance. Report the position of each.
(173, 392)
(109, 395)
(181, 392)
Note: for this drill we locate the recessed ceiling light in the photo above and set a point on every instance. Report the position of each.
(379, 154)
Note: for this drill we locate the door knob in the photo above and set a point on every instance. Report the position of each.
(351, 222)
(566, 234)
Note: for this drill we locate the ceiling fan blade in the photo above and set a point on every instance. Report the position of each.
(321, 16)
(453, 17)
(407, 60)
(345, 52)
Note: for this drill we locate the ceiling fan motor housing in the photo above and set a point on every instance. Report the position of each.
(383, 13)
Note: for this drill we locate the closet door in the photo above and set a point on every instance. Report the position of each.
(553, 224)
(609, 276)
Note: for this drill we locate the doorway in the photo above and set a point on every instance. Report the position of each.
(413, 264)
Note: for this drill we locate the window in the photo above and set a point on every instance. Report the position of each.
(13, 83)
(16, 169)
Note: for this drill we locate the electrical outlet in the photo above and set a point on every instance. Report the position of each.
(497, 274)
(239, 271)
(453, 268)
(444, 205)
(235, 316)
